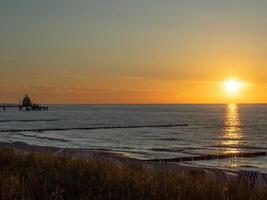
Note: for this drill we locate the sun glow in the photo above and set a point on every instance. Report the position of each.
(232, 137)
(233, 86)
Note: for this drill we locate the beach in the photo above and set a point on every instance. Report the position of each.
(120, 159)
(46, 172)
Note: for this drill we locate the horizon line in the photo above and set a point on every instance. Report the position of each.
(190, 103)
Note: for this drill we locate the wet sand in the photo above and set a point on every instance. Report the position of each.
(119, 159)
(97, 154)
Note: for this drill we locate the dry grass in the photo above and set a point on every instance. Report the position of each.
(43, 176)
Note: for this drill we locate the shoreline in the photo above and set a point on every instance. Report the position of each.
(104, 154)
(214, 174)
(57, 176)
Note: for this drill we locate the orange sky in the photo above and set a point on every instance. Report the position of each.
(133, 51)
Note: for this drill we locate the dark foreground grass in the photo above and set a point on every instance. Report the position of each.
(43, 176)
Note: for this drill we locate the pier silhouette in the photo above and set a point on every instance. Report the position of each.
(26, 105)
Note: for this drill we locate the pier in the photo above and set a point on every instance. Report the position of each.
(26, 105)
(4, 107)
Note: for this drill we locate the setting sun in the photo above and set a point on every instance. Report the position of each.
(233, 86)
(118, 92)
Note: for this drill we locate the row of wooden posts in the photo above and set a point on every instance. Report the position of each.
(34, 107)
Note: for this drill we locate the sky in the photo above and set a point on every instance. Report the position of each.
(132, 51)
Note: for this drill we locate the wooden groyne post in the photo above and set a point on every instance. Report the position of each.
(211, 157)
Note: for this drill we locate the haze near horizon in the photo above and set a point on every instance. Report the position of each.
(122, 51)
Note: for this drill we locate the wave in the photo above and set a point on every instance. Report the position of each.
(92, 128)
(29, 120)
(238, 146)
(45, 137)
(167, 149)
(168, 139)
(184, 150)
(211, 157)
(174, 133)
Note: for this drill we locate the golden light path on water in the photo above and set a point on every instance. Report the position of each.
(232, 134)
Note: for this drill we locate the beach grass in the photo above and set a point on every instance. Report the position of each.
(44, 176)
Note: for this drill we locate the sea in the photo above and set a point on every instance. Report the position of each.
(147, 131)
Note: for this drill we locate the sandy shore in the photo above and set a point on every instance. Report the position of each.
(119, 159)
(99, 154)
(75, 152)
(93, 153)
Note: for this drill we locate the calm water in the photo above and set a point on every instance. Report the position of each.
(211, 128)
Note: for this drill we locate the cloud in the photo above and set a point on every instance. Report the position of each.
(41, 88)
(62, 89)
(132, 77)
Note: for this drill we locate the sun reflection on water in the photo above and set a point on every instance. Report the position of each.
(232, 134)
